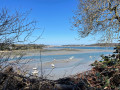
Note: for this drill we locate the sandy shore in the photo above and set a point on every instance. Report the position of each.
(62, 68)
(65, 52)
(48, 51)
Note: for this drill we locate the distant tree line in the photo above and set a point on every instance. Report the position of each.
(104, 44)
(4, 46)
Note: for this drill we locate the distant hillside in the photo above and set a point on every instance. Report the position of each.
(97, 44)
(104, 44)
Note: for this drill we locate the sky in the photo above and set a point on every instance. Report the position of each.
(54, 17)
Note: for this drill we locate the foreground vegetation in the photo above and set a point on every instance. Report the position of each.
(105, 75)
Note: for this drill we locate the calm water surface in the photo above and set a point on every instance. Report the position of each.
(86, 57)
(103, 48)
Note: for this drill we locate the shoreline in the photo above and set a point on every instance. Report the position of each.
(47, 52)
(63, 68)
(60, 51)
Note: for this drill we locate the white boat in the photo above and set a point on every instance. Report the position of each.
(35, 71)
(53, 66)
(71, 57)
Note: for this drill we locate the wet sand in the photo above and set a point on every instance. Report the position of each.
(58, 51)
(63, 67)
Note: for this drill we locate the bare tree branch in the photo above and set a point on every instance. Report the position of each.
(95, 16)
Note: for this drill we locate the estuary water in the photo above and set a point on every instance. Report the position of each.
(87, 47)
(77, 58)
(66, 60)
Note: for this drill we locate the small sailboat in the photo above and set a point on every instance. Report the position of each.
(71, 57)
(90, 57)
(54, 60)
(35, 71)
(53, 66)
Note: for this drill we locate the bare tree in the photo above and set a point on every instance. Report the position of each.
(15, 27)
(95, 16)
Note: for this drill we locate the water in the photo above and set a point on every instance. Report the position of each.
(103, 48)
(82, 57)
(79, 63)
(85, 56)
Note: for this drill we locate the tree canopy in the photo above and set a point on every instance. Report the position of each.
(95, 16)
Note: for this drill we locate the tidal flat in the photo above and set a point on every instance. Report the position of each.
(66, 61)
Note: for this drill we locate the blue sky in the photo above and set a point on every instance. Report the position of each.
(53, 15)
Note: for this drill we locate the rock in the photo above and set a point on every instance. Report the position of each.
(63, 87)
